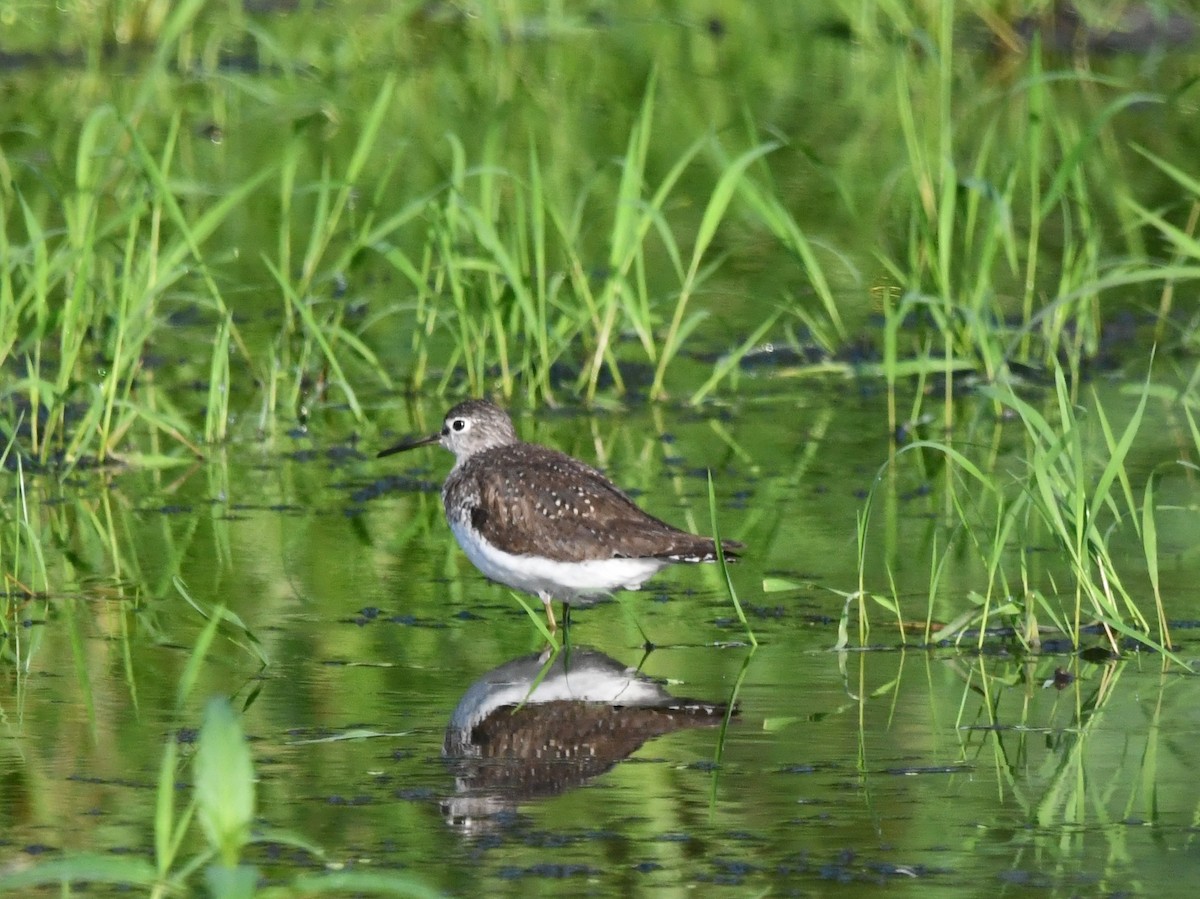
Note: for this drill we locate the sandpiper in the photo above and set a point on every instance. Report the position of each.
(540, 521)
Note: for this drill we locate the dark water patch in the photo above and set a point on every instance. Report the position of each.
(408, 620)
(55, 463)
(273, 851)
(276, 508)
(344, 454)
(779, 619)
(169, 509)
(363, 493)
(1060, 680)
(728, 872)
(764, 612)
(636, 376)
(39, 849)
(548, 871)
(416, 794)
(374, 615)
(1133, 644)
(773, 356)
(354, 801)
(109, 781)
(1057, 646)
(337, 456)
(1098, 655)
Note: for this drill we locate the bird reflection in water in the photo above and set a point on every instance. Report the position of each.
(546, 723)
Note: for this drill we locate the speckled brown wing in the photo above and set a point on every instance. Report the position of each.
(533, 500)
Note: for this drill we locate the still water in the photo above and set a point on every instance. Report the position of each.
(409, 718)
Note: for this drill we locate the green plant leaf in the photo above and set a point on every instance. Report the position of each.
(224, 781)
(90, 867)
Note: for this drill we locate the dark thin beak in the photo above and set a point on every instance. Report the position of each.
(412, 443)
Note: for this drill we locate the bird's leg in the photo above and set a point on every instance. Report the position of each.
(548, 602)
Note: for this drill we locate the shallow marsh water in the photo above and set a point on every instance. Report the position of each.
(923, 769)
(955, 770)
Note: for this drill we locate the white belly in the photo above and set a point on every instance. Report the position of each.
(559, 580)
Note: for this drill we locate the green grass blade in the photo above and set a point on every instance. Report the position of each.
(83, 867)
(714, 213)
(723, 563)
(538, 619)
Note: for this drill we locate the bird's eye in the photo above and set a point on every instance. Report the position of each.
(458, 424)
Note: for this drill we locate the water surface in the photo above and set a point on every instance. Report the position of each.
(918, 768)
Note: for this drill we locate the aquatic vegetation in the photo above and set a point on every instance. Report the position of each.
(510, 269)
(1071, 486)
